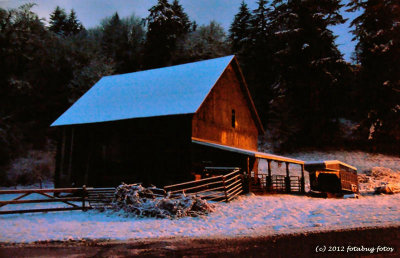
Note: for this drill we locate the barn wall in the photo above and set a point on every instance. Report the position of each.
(213, 121)
(150, 151)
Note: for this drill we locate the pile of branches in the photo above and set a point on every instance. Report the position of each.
(380, 180)
(136, 200)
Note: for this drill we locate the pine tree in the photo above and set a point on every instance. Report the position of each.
(113, 31)
(58, 21)
(260, 20)
(181, 19)
(257, 58)
(377, 30)
(115, 42)
(160, 37)
(72, 25)
(309, 71)
(164, 28)
(240, 29)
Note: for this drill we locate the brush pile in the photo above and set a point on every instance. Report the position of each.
(136, 200)
(380, 180)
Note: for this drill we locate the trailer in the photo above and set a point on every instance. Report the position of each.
(332, 176)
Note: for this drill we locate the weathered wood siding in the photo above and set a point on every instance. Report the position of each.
(213, 121)
(152, 150)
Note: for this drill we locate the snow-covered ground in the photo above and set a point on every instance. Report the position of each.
(363, 161)
(247, 216)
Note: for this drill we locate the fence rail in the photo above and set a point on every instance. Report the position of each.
(75, 198)
(281, 183)
(217, 188)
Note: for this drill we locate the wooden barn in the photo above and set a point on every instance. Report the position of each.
(160, 126)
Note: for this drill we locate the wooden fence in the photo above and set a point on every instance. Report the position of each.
(276, 184)
(74, 198)
(217, 188)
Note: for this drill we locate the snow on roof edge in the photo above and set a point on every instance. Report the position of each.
(328, 162)
(122, 119)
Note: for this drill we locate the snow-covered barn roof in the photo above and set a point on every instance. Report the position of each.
(173, 90)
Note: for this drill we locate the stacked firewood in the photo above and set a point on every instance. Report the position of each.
(136, 200)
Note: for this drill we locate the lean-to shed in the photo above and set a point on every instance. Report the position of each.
(159, 126)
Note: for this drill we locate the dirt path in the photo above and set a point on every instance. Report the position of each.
(353, 243)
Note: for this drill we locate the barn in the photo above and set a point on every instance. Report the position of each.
(160, 126)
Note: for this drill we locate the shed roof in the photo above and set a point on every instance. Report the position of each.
(251, 153)
(173, 90)
(326, 164)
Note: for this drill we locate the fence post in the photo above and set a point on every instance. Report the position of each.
(223, 183)
(302, 183)
(269, 177)
(287, 178)
(84, 193)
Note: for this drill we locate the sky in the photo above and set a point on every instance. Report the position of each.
(91, 12)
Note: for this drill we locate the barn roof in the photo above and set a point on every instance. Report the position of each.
(173, 90)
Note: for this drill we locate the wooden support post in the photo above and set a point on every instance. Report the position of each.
(302, 181)
(248, 165)
(287, 178)
(62, 161)
(251, 180)
(226, 195)
(70, 157)
(89, 159)
(84, 194)
(269, 177)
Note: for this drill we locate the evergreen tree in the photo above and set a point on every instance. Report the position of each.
(58, 21)
(160, 37)
(309, 72)
(37, 66)
(115, 42)
(164, 28)
(240, 29)
(377, 30)
(257, 58)
(182, 22)
(113, 31)
(72, 25)
(260, 21)
(122, 40)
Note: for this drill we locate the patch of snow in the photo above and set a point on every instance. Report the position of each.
(287, 31)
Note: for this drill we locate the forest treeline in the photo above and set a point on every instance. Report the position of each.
(307, 95)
